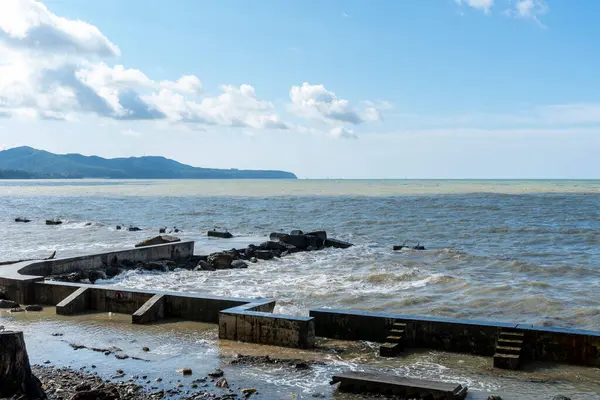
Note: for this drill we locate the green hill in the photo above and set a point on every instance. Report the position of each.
(40, 164)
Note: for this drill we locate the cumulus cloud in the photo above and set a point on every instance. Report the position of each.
(530, 9)
(483, 5)
(343, 133)
(54, 68)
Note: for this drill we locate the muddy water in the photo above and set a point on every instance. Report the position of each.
(175, 345)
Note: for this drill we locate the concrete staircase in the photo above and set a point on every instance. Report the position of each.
(394, 342)
(508, 349)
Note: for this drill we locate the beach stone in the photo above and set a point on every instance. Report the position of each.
(160, 239)
(8, 304)
(184, 371)
(217, 373)
(146, 349)
(222, 383)
(34, 307)
(204, 266)
(220, 260)
(248, 391)
(239, 264)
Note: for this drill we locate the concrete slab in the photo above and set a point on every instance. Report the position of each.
(152, 310)
(76, 302)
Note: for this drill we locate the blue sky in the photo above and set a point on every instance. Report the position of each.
(353, 89)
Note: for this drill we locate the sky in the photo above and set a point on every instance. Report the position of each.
(326, 89)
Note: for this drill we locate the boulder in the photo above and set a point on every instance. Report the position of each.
(53, 222)
(118, 227)
(162, 230)
(338, 244)
(239, 264)
(314, 242)
(296, 232)
(218, 234)
(204, 266)
(21, 219)
(220, 260)
(264, 254)
(270, 245)
(34, 307)
(320, 234)
(133, 228)
(184, 371)
(160, 239)
(276, 235)
(222, 383)
(398, 247)
(8, 304)
(93, 276)
(298, 241)
(113, 271)
(418, 247)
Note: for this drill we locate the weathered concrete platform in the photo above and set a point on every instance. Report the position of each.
(365, 382)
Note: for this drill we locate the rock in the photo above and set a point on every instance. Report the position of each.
(264, 254)
(118, 227)
(133, 228)
(298, 241)
(146, 349)
(53, 222)
(204, 266)
(253, 260)
(222, 383)
(276, 235)
(314, 242)
(217, 373)
(88, 224)
(57, 334)
(112, 271)
(34, 307)
(47, 362)
(161, 239)
(296, 232)
(8, 304)
(418, 247)
(320, 234)
(83, 387)
(93, 276)
(109, 393)
(162, 230)
(302, 365)
(239, 264)
(271, 245)
(248, 391)
(122, 356)
(398, 247)
(185, 371)
(222, 235)
(15, 310)
(155, 266)
(338, 244)
(494, 398)
(220, 260)
(561, 397)
(22, 219)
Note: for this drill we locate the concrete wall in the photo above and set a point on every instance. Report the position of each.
(463, 336)
(169, 251)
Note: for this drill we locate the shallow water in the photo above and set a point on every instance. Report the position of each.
(523, 251)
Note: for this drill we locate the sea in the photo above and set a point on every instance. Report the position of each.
(515, 251)
(521, 251)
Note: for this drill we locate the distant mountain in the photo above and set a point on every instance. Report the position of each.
(39, 162)
(20, 174)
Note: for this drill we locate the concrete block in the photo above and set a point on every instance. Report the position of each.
(76, 302)
(152, 310)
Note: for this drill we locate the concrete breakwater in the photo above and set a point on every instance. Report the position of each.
(252, 320)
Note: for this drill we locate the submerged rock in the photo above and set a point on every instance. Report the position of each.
(34, 307)
(8, 304)
(218, 234)
(53, 222)
(161, 239)
(133, 228)
(22, 219)
(338, 244)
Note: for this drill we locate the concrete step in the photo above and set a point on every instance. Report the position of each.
(511, 335)
(508, 350)
(390, 349)
(397, 332)
(507, 361)
(399, 325)
(394, 339)
(510, 342)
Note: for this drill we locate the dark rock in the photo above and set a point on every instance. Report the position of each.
(133, 228)
(248, 391)
(561, 397)
(22, 219)
(296, 232)
(239, 264)
(338, 244)
(161, 239)
(204, 266)
(93, 276)
(34, 307)
(220, 260)
(57, 334)
(302, 365)
(53, 222)
(264, 254)
(320, 234)
(155, 266)
(271, 245)
(398, 247)
(298, 241)
(118, 227)
(276, 235)
(253, 260)
(3, 295)
(418, 247)
(146, 349)
(315, 242)
(122, 356)
(222, 383)
(83, 387)
(217, 373)
(88, 224)
(112, 271)
(127, 263)
(185, 371)
(162, 230)
(222, 235)
(15, 310)
(8, 304)
(110, 393)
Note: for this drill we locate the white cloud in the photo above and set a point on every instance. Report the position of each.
(316, 102)
(53, 68)
(531, 9)
(343, 133)
(483, 5)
